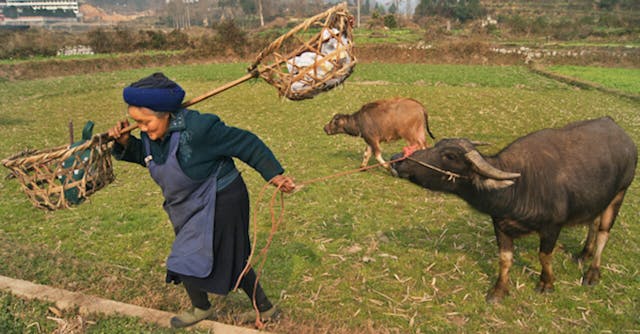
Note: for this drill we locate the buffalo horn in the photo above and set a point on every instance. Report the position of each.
(486, 169)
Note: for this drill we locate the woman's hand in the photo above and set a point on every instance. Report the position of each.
(285, 183)
(116, 132)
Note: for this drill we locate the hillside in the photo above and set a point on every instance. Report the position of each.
(94, 14)
(126, 7)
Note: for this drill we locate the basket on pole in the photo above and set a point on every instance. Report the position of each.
(313, 57)
(58, 177)
(302, 68)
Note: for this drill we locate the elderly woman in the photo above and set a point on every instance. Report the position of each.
(189, 155)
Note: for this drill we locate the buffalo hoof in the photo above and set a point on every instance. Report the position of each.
(592, 277)
(581, 258)
(495, 296)
(544, 287)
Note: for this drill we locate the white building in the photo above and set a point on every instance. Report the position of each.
(45, 4)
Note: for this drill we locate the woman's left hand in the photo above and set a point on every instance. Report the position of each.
(285, 183)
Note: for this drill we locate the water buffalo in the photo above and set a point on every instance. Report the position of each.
(384, 121)
(541, 182)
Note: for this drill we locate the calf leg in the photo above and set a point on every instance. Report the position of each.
(412, 147)
(377, 152)
(505, 248)
(420, 142)
(607, 218)
(548, 240)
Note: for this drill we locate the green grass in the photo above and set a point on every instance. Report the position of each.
(82, 57)
(545, 43)
(18, 316)
(623, 79)
(359, 253)
(366, 36)
(377, 36)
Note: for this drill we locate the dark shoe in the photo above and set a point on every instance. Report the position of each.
(193, 316)
(266, 316)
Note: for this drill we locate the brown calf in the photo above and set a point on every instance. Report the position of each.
(384, 121)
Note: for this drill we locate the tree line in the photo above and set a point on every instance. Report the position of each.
(232, 35)
(223, 39)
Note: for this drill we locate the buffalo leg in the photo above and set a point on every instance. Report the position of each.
(366, 156)
(608, 217)
(589, 245)
(548, 241)
(505, 248)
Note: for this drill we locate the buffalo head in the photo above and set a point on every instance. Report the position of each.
(337, 124)
(451, 164)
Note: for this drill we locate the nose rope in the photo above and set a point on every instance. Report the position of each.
(451, 175)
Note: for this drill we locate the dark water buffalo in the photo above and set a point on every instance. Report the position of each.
(541, 182)
(384, 121)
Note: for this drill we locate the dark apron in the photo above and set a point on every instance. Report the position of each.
(191, 206)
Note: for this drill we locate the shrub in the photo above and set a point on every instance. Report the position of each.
(126, 40)
(517, 24)
(231, 37)
(33, 42)
(177, 40)
(390, 21)
(99, 40)
(540, 25)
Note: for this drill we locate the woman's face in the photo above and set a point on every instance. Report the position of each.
(154, 124)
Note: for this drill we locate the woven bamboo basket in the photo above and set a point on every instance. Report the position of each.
(59, 177)
(300, 67)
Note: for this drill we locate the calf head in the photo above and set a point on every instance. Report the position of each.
(337, 124)
(439, 168)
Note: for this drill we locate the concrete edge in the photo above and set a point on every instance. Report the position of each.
(86, 304)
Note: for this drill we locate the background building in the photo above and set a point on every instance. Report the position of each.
(40, 12)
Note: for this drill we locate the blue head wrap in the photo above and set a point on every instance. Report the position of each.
(156, 92)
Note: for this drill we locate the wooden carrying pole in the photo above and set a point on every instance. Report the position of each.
(220, 89)
(200, 98)
(267, 71)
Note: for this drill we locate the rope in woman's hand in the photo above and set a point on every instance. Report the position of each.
(275, 223)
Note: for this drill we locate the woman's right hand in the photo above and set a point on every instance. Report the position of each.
(116, 132)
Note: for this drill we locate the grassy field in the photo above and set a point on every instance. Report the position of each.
(623, 79)
(362, 253)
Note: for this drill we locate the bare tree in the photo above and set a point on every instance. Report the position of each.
(180, 13)
(358, 13)
(260, 13)
(407, 12)
(299, 8)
